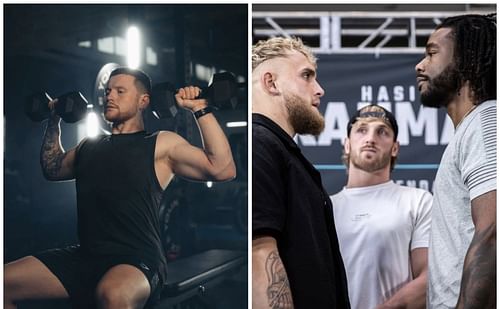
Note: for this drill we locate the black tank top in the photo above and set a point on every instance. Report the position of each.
(118, 197)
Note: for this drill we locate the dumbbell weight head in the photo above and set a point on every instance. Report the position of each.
(222, 89)
(71, 107)
(36, 106)
(163, 101)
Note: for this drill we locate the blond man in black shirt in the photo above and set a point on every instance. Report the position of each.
(295, 255)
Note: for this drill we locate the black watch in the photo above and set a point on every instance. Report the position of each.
(202, 112)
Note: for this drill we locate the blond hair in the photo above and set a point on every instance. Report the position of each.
(279, 47)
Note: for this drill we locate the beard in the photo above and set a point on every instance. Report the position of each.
(303, 118)
(372, 165)
(441, 89)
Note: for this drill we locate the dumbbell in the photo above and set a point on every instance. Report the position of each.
(221, 90)
(71, 107)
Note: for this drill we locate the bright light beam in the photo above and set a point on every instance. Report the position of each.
(133, 47)
(236, 124)
(92, 124)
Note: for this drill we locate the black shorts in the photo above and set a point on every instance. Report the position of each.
(80, 273)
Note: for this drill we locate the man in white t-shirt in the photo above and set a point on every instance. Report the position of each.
(459, 73)
(383, 228)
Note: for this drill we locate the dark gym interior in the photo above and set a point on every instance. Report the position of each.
(61, 48)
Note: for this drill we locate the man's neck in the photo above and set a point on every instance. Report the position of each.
(460, 106)
(274, 111)
(360, 178)
(130, 126)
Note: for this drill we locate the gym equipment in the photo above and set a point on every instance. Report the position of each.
(71, 107)
(194, 276)
(221, 92)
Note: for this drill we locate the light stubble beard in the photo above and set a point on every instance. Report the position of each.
(302, 117)
(371, 166)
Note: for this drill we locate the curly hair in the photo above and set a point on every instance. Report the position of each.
(475, 53)
(279, 47)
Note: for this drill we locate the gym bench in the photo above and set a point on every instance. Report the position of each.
(188, 279)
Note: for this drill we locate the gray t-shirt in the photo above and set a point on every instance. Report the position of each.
(467, 170)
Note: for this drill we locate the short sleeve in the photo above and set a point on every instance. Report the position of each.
(422, 226)
(478, 151)
(268, 193)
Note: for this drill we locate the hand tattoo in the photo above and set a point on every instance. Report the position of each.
(278, 291)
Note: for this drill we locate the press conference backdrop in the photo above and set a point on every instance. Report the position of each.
(353, 81)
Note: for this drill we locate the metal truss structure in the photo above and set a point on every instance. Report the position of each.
(353, 32)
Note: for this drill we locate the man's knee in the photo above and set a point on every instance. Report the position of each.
(9, 293)
(11, 283)
(13, 287)
(109, 297)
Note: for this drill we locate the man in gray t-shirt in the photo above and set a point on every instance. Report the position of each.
(459, 73)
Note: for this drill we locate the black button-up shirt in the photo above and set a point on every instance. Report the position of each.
(290, 204)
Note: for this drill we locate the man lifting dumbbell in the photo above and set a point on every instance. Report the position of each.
(221, 91)
(120, 179)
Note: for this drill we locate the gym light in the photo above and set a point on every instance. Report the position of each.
(92, 124)
(133, 47)
(236, 124)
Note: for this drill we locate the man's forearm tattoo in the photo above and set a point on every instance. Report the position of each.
(479, 278)
(51, 155)
(278, 289)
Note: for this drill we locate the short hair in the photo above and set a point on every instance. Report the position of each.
(279, 47)
(372, 112)
(142, 80)
(475, 53)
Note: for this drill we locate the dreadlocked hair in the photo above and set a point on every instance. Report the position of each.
(475, 53)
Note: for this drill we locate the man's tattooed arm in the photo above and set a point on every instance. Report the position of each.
(278, 288)
(478, 287)
(56, 163)
(270, 288)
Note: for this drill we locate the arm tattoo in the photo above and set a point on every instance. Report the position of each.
(51, 154)
(278, 290)
(478, 288)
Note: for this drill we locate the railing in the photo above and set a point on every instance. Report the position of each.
(353, 32)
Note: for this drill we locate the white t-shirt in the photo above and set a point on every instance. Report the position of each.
(377, 227)
(467, 170)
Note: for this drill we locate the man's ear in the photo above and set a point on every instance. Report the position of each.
(395, 149)
(268, 81)
(347, 146)
(144, 101)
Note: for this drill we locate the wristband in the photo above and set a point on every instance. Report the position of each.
(202, 112)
